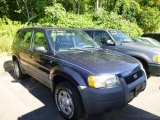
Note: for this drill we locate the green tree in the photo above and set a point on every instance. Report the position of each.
(114, 21)
(23, 10)
(149, 19)
(130, 10)
(53, 14)
(56, 15)
(3, 8)
(149, 3)
(76, 6)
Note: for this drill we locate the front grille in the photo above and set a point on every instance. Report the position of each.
(133, 77)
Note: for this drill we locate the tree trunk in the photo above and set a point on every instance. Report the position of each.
(79, 6)
(97, 5)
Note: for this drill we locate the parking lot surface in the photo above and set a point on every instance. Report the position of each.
(27, 99)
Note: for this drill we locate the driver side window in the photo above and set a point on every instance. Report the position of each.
(101, 37)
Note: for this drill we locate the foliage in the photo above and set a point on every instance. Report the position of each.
(149, 3)
(23, 10)
(34, 10)
(76, 21)
(115, 21)
(53, 14)
(56, 15)
(149, 19)
(76, 6)
(130, 10)
(8, 29)
(132, 16)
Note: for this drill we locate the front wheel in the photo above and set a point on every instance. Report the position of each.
(68, 101)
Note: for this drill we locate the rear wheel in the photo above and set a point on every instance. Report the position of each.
(68, 101)
(17, 70)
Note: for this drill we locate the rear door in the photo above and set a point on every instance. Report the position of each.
(24, 44)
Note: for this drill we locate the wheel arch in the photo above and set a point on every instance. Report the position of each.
(58, 78)
(57, 74)
(142, 60)
(15, 57)
(145, 65)
(61, 78)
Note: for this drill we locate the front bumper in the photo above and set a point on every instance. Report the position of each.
(101, 100)
(154, 69)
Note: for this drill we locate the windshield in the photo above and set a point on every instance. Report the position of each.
(119, 36)
(67, 40)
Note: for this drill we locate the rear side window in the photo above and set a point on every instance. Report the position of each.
(17, 37)
(25, 42)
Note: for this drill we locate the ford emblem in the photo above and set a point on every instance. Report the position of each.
(135, 76)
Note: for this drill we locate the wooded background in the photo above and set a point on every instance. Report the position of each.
(132, 16)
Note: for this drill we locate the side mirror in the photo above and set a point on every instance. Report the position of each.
(40, 49)
(110, 42)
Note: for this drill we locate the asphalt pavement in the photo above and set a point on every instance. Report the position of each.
(27, 99)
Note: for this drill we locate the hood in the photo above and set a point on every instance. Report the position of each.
(101, 61)
(141, 47)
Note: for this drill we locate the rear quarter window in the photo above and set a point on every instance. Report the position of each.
(17, 37)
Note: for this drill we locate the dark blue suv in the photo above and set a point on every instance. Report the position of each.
(83, 77)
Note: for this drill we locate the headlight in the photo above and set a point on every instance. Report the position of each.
(157, 58)
(103, 81)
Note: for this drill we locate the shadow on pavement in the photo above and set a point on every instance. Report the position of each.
(49, 111)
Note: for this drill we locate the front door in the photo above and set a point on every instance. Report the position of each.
(40, 62)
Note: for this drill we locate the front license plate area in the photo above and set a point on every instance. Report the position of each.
(138, 90)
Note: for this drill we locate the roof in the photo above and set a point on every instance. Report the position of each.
(99, 29)
(45, 28)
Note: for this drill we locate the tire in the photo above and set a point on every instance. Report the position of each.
(146, 69)
(145, 66)
(68, 101)
(17, 70)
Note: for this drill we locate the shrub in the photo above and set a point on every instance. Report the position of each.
(8, 29)
(56, 15)
(149, 19)
(76, 21)
(129, 9)
(114, 21)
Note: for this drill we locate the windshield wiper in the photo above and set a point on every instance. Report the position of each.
(76, 49)
(89, 47)
(127, 41)
(83, 48)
